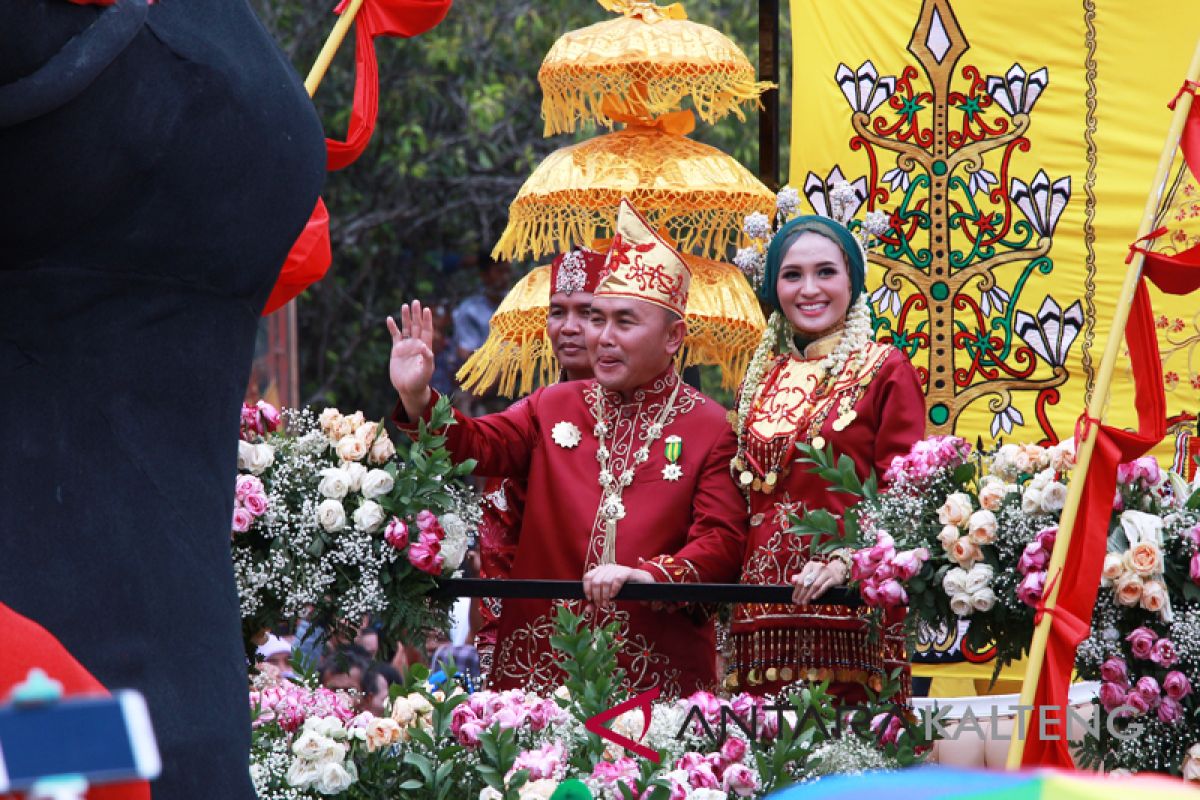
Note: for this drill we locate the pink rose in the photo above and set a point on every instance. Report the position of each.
(909, 563)
(884, 547)
(892, 593)
(250, 423)
(1148, 688)
(624, 769)
(733, 750)
(427, 522)
(270, 415)
(1194, 568)
(1115, 671)
(1046, 537)
(709, 705)
(256, 504)
(247, 485)
(1138, 703)
(1124, 473)
(396, 534)
(740, 780)
(1112, 696)
(890, 733)
(242, 519)
(1170, 711)
(1146, 469)
(886, 571)
(1030, 589)
(1141, 640)
(544, 763)
(861, 565)
(870, 594)
(703, 777)
(542, 714)
(1163, 653)
(426, 556)
(1176, 685)
(1033, 559)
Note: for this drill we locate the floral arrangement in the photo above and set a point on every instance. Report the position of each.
(962, 534)
(330, 523)
(309, 743)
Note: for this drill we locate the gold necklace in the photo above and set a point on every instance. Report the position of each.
(612, 508)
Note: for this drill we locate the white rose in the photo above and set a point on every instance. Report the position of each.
(351, 448)
(956, 510)
(562, 693)
(1031, 501)
(335, 483)
(331, 516)
(369, 516)
(707, 794)
(356, 471)
(419, 704)
(309, 744)
(955, 581)
(356, 419)
(978, 577)
(454, 550)
(335, 752)
(983, 600)
(488, 793)
(1054, 497)
(377, 483)
(302, 773)
(1113, 567)
(960, 605)
(331, 727)
(334, 778)
(1191, 764)
(255, 457)
(1142, 527)
(540, 789)
(982, 527)
(381, 732)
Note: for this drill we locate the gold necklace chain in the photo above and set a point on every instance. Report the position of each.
(611, 507)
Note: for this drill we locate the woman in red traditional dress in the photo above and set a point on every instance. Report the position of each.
(817, 378)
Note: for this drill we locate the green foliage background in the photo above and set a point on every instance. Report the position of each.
(459, 130)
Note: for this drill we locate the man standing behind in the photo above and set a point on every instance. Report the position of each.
(627, 474)
(574, 276)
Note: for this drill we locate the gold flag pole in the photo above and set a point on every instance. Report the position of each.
(336, 37)
(1095, 409)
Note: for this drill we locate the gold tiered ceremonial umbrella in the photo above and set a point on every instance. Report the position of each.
(697, 193)
(646, 61)
(724, 325)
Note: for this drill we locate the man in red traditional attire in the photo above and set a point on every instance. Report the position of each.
(627, 473)
(574, 276)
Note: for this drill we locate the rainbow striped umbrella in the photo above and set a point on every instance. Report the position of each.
(932, 783)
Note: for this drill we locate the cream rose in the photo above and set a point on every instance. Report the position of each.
(965, 553)
(376, 483)
(351, 448)
(956, 510)
(1054, 497)
(982, 527)
(382, 451)
(961, 606)
(335, 483)
(334, 778)
(488, 793)
(369, 516)
(983, 600)
(340, 429)
(1062, 455)
(1191, 764)
(1113, 567)
(402, 712)
(1129, 589)
(541, 789)
(1142, 527)
(366, 432)
(420, 705)
(948, 536)
(1145, 559)
(992, 495)
(331, 516)
(381, 732)
(1154, 596)
(328, 418)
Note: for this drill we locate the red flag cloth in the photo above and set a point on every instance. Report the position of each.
(1189, 142)
(28, 645)
(405, 18)
(307, 261)
(1179, 274)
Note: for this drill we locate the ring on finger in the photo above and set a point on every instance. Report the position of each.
(810, 579)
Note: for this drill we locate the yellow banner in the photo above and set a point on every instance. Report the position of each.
(1013, 145)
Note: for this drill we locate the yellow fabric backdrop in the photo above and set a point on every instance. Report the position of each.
(1096, 130)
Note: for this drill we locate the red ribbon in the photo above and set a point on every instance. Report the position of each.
(405, 18)
(1133, 248)
(1188, 87)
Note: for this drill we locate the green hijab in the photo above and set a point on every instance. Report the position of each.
(830, 229)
